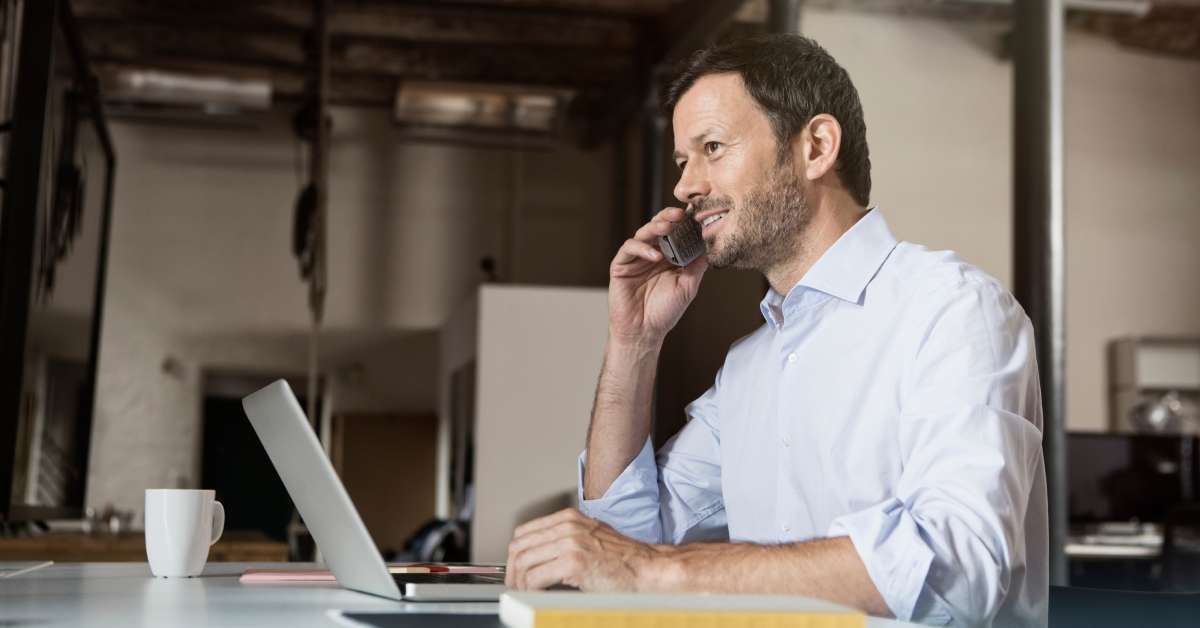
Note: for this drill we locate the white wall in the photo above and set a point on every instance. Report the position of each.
(205, 216)
(540, 351)
(938, 105)
(1133, 209)
(201, 270)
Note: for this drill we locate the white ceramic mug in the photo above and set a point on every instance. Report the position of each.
(181, 524)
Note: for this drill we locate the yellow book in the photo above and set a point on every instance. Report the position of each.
(569, 609)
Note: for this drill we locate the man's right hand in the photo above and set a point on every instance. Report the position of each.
(647, 295)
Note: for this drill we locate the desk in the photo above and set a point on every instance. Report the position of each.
(1115, 561)
(235, 545)
(104, 595)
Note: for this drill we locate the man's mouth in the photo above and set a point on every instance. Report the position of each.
(711, 219)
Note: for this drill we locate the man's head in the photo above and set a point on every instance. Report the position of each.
(759, 125)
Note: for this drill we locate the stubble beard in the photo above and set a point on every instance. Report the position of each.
(769, 224)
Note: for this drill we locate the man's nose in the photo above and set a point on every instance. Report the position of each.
(693, 183)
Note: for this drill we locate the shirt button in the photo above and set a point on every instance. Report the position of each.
(787, 528)
(787, 441)
(792, 358)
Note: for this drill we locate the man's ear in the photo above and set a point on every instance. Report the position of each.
(819, 143)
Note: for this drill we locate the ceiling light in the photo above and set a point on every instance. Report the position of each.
(174, 88)
(480, 106)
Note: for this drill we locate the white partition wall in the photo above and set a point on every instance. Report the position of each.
(539, 351)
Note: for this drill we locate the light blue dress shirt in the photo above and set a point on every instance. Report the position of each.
(892, 397)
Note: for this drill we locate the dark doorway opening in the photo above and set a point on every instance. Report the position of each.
(236, 466)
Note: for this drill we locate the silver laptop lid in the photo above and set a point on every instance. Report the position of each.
(316, 490)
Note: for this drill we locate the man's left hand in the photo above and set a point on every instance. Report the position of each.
(570, 548)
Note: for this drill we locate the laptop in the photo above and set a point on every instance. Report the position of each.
(331, 517)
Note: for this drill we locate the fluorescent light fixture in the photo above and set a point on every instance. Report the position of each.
(174, 88)
(495, 107)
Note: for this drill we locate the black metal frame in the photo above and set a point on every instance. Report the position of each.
(1038, 235)
(18, 228)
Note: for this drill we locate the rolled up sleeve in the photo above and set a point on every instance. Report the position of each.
(948, 545)
(675, 498)
(889, 541)
(630, 505)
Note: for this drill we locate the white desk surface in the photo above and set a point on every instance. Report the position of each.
(123, 595)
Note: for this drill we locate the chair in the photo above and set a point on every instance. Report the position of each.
(1074, 607)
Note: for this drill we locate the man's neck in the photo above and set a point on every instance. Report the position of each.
(830, 220)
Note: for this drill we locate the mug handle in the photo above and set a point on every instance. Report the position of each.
(218, 525)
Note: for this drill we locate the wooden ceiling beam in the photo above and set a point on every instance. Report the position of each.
(1172, 30)
(688, 26)
(612, 7)
(431, 23)
(136, 43)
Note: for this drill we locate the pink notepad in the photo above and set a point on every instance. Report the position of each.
(261, 576)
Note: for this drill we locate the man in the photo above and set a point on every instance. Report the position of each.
(877, 442)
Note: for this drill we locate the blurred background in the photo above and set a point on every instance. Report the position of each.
(427, 266)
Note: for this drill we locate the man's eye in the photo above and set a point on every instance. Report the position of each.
(711, 147)
(681, 164)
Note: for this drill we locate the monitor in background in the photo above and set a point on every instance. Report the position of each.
(54, 220)
(1128, 477)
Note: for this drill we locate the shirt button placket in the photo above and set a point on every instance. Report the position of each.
(785, 439)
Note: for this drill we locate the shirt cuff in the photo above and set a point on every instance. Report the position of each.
(898, 560)
(630, 505)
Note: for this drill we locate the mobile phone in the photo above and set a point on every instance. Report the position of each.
(685, 242)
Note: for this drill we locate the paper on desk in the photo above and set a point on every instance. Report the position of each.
(14, 568)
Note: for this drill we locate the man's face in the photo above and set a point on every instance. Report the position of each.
(751, 202)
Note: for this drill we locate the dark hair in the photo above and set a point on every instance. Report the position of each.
(792, 79)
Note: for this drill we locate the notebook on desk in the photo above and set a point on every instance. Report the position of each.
(330, 516)
(541, 609)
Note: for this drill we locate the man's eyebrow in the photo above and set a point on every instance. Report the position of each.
(696, 139)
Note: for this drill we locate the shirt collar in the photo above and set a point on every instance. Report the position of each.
(846, 268)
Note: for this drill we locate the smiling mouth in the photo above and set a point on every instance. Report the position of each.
(712, 219)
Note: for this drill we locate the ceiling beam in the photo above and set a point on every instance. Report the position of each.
(689, 26)
(1172, 30)
(155, 45)
(433, 23)
(621, 7)
(1169, 27)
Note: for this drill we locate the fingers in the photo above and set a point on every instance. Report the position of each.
(533, 558)
(540, 540)
(643, 246)
(634, 251)
(544, 537)
(566, 514)
(535, 533)
(671, 214)
(654, 229)
(565, 569)
(660, 225)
